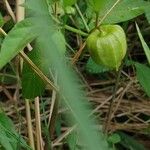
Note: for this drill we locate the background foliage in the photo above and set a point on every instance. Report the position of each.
(46, 27)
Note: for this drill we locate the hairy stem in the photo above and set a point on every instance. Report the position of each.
(81, 15)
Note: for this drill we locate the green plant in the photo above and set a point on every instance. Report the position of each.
(46, 27)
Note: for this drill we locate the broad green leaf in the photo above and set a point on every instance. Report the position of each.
(72, 140)
(145, 46)
(22, 33)
(8, 136)
(4, 140)
(97, 5)
(6, 122)
(124, 10)
(69, 2)
(93, 68)
(129, 142)
(36, 8)
(143, 76)
(32, 85)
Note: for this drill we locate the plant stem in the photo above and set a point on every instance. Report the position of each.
(10, 10)
(53, 109)
(77, 55)
(69, 28)
(20, 11)
(108, 117)
(75, 30)
(83, 20)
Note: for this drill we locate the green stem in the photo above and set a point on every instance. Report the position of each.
(108, 117)
(84, 21)
(69, 28)
(75, 30)
(96, 20)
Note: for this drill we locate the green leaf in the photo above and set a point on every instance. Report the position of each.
(124, 10)
(114, 138)
(147, 13)
(143, 76)
(9, 138)
(20, 33)
(94, 68)
(97, 5)
(32, 85)
(129, 142)
(72, 140)
(69, 2)
(145, 46)
(4, 140)
(36, 8)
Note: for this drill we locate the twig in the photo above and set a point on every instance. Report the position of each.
(77, 55)
(20, 14)
(53, 109)
(10, 10)
(39, 140)
(65, 134)
(20, 10)
(29, 124)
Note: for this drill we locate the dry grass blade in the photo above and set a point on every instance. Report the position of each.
(29, 124)
(39, 140)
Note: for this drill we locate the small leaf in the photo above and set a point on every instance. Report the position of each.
(32, 85)
(93, 68)
(145, 46)
(143, 76)
(72, 140)
(114, 138)
(21, 34)
(4, 140)
(97, 5)
(7, 131)
(129, 142)
(69, 2)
